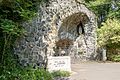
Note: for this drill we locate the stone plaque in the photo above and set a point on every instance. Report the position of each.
(59, 63)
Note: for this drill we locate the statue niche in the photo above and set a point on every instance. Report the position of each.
(80, 29)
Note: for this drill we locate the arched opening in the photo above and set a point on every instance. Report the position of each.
(71, 28)
(73, 25)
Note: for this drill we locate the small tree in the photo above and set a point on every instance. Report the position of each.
(109, 37)
(109, 34)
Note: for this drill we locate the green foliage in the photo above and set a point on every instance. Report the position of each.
(104, 9)
(18, 10)
(11, 28)
(60, 74)
(36, 74)
(109, 34)
(109, 37)
(25, 74)
(11, 70)
(99, 6)
(115, 58)
(108, 17)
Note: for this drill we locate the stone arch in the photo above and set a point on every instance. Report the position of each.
(67, 32)
(79, 8)
(88, 42)
(70, 24)
(58, 15)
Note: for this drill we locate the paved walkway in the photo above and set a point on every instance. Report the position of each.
(96, 71)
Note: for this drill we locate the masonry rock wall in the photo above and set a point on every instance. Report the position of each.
(57, 20)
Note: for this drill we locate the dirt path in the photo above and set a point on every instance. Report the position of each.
(96, 71)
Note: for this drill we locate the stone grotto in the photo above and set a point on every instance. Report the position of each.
(61, 28)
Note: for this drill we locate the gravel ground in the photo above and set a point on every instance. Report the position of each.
(95, 71)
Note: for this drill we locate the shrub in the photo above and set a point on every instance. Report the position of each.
(26, 74)
(115, 58)
(60, 73)
(109, 34)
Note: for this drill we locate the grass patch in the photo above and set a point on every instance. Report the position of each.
(60, 73)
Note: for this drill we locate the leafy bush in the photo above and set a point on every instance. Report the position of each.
(26, 74)
(36, 74)
(60, 73)
(11, 70)
(115, 58)
(109, 37)
(109, 34)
